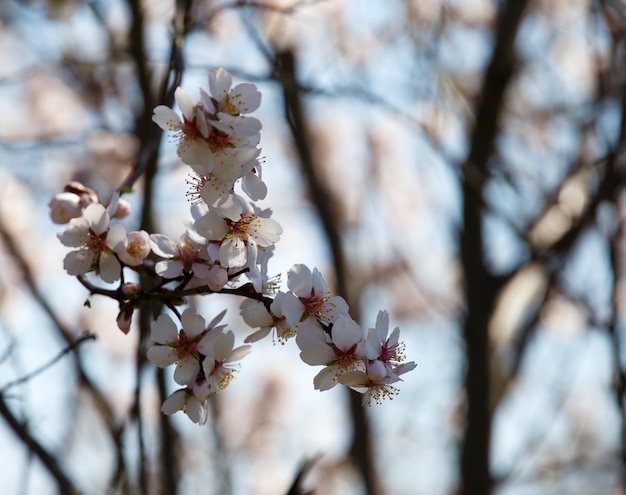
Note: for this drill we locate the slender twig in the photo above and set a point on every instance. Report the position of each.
(63, 482)
(23, 379)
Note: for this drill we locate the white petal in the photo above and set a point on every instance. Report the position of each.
(325, 379)
(212, 227)
(166, 118)
(78, 262)
(193, 323)
(169, 268)
(238, 353)
(186, 371)
(266, 231)
(184, 102)
(317, 353)
(255, 314)
(346, 333)
(164, 330)
(161, 355)
(246, 97)
(97, 218)
(299, 280)
(175, 402)
(163, 246)
(109, 269)
(219, 83)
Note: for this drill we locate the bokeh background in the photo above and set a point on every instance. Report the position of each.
(458, 163)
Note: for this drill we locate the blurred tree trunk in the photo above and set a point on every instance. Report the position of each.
(481, 286)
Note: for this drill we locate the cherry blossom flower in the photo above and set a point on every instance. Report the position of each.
(188, 255)
(220, 363)
(191, 130)
(65, 206)
(343, 353)
(133, 248)
(240, 229)
(95, 238)
(243, 98)
(374, 383)
(310, 303)
(184, 400)
(256, 315)
(183, 347)
(388, 350)
(215, 182)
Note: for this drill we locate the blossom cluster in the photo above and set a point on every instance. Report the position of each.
(228, 237)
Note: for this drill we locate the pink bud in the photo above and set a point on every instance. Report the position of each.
(125, 316)
(122, 210)
(131, 289)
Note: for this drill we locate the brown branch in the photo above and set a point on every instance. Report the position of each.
(324, 203)
(480, 285)
(64, 484)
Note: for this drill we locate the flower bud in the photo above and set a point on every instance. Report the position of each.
(125, 316)
(123, 209)
(131, 290)
(65, 206)
(376, 370)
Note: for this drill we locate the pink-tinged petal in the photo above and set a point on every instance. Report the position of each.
(164, 330)
(186, 371)
(245, 97)
(97, 218)
(166, 118)
(65, 206)
(175, 402)
(220, 82)
(185, 102)
(300, 281)
(163, 246)
(325, 379)
(169, 268)
(217, 278)
(393, 338)
(346, 333)
(78, 262)
(212, 227)
(109, 269)
(292, 308)
(238, 353)
(161, 355)
(193, 323)
(376, 370)
(317, 353)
